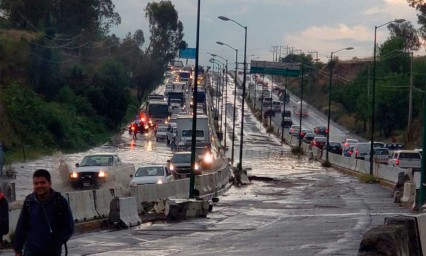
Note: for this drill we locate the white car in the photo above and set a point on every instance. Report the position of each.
(161, 133)
(155, 174)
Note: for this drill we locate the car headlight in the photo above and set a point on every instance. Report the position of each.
(102, 174)
(160, 181)
(74, 175)
(208, 158)
(172, 167)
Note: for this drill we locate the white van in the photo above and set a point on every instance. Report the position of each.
(361, 150)
(276, 106)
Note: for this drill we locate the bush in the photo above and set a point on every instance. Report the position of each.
(367, 178)
(297, 150)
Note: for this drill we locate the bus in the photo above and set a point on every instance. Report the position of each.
(158, 112)
(301, 109)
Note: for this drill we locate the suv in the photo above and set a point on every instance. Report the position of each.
(406, 159)
(294, 130)
(286, 122)
(180, 164)
(309, 137)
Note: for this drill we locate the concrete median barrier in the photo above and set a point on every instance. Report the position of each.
(205, 184)
(409, 193)
(178, 209)
(103, 199)
(82, 204)
(124, 212)
(157, 192)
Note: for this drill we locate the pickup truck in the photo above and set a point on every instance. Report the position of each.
(406, 159)
(93, 170)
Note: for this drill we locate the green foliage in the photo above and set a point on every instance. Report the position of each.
(367, 178)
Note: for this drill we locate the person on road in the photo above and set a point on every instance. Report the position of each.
(45, 222)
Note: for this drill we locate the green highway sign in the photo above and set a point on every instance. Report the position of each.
(275, 68)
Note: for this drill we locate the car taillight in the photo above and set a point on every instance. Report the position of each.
(314, 142)
(397, 162)
(346, 144)
(326, 130)
(356, 152)
(350, 152)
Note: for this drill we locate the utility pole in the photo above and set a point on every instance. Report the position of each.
(410, 102)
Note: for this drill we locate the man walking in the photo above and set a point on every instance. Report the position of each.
(45, 222)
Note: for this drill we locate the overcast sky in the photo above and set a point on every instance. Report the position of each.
(319, 26)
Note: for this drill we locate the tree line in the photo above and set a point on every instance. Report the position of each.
(65, 81)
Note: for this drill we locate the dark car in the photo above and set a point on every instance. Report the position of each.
(334, 147)
(348, 152)
(268, 113)
(319, 142)
(286, 113)
(180, 165)
(321, 130)
(303, 132)
(309, 137)
(286, 122)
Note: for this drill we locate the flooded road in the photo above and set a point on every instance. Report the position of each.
(293, 207)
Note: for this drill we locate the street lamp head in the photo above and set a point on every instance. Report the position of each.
(220, 43)
(223, 18)
(349, 48)
(399, 20)
(212, 54)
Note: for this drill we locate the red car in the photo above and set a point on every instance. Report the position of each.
(319, 142)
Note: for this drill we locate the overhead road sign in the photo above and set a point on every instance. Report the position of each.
(188, 53)
(275, 68)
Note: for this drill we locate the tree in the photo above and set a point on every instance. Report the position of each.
(69, 17)
(407, 32)
(420, 6)
(166, 31)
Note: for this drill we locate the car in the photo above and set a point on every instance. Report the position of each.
(268, 113)
(406, 159)
(380, 155)
(322, 130)
(319, 142)
(303, 132)
(349, 142)
(286, 113)
(276, 105)
(361, 149)
(309, 137)
(334, 147)
(294, 130)
(286, 122)
(180, 164)
(161, 133)
(348, 152)
(394, 146)
(206, 157)
(153, 174)
(93, 170)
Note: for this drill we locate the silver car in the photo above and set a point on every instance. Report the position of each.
(154, 174)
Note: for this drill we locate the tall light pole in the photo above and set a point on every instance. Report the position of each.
(373, 99)
(240, 164)
(226, 94)
(194, 117)
(219, 85)
(329, 100)
(235, 98)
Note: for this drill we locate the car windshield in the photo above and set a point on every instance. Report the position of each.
(334, 144)
(409, 155)
(351, 141)
(100, 160)
(149, 171)
(181, 158)
(381, 151)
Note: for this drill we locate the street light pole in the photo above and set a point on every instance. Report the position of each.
(235, 98)
(373, 100)
(329, 102)
(226, 91)
(240, 164)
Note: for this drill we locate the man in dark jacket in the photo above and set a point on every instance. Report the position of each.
(45, 222)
